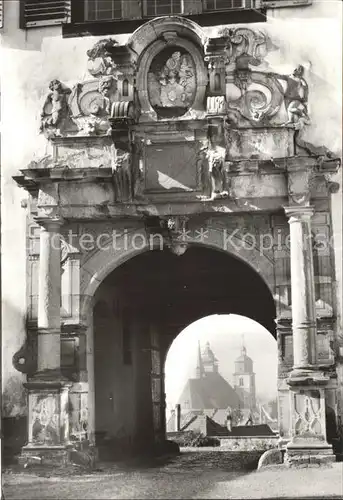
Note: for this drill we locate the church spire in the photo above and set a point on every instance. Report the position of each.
(243, 350)
(200, 368)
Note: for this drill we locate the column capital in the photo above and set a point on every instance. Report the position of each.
(297, 213)
(49, 223)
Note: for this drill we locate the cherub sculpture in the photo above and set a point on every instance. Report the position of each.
(296, 97)
(55, 109)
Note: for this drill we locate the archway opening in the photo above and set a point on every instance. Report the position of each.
(220, 377)
(140, 308)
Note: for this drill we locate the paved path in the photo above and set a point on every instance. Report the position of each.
(192, 475)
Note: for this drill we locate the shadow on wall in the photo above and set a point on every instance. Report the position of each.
(13, 395)
(14, 418)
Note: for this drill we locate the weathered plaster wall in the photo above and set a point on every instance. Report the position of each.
(31, 58)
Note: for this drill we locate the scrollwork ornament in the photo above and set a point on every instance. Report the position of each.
(245, 41)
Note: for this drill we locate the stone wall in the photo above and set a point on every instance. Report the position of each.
(248, 443)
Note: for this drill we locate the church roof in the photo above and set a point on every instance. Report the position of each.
(209, 391)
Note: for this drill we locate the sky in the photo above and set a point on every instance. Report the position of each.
(225, 333)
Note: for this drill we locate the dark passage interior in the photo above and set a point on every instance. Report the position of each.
(140, 308)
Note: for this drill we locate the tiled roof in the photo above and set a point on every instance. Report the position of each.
(211, 391)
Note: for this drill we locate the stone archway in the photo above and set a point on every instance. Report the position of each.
(144, 303)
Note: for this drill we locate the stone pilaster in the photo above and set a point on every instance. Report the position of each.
(48, 419)
(307, 383)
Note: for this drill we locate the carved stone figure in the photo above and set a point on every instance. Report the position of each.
(100, 61)
(138, 169)
(216, 161)
(296, 96)
(107, 87)
(174, 85)
(122, 175)
(55, 109)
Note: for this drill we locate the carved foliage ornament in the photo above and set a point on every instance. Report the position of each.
(100, 60)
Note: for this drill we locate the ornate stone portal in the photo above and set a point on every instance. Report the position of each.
(165, 129)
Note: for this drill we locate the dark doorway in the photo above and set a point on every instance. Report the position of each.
(140, 308)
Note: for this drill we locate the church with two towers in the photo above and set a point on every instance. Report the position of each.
(209, 393)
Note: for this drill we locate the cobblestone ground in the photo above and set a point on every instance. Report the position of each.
(201, 474)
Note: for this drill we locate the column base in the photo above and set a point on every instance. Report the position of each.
(81, 454)
(48, 420)
(308, 456)
(44, 455)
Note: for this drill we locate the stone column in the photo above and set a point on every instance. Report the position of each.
(49, 298)
(303, 294)
(306, 382)
(48, 390)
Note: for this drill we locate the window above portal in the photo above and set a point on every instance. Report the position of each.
(155, 8)
(110, 17)
(215, 5)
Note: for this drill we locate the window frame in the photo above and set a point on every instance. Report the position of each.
(78, 27)
(228, 9)
(1, 14)
(25, 23)
(86, 6)
(145, 14)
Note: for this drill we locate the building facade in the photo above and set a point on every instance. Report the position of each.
(163, 161)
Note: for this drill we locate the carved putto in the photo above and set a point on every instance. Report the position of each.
(217, 171)
(172, 80)
(296, 96)
(55, 109)
(122, 175)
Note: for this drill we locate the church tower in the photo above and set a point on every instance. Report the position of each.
(244, 380)
(207, 362)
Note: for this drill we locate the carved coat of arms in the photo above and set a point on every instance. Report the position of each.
(172, 83)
